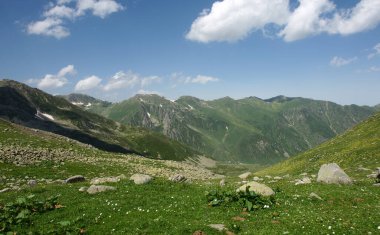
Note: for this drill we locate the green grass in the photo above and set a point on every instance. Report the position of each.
(358, 147)
(163, 207)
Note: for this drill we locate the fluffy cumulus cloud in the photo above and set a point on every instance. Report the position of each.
(232, 20)
(88, 83)
(57, 15)
(337, 61)
(50, 81)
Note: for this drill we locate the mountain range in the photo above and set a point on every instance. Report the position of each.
(249, 130)
(36, 109)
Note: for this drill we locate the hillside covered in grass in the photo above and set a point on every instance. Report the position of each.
(249, 130)
(36, 109)
(359, 147)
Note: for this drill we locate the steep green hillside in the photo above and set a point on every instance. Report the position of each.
(248, 130)
(35, 109)
(354, 150)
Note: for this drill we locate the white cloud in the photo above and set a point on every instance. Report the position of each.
(48, 27)
(122, 80)
(305, 20)
(376, 51)
(232, 20)
(68, 70)
(56, 15)
(179, 78)
(88, 83)
(339, 61)
(101, 8)
(203, 79)
(54, 80)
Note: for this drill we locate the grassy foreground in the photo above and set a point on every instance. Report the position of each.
(163, 207)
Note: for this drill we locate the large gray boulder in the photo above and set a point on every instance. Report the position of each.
(94, 189)
(260, 189)
(331, 173)
(141, 178)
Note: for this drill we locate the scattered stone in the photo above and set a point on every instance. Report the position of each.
(93, 189)
(75, 179)
(268, 177)
(332, 174)
(83, 189)
(304, 180)
(32, 183)
(5, 190)
(177, 178)
(238, 218)
(314, 195)
(222, 183)
(141, 178)
(376, 185)
(245, 175)
(59, 181)
(277, 178)
(260, 189)
(219, 227)
(256, 178)
(105, 180)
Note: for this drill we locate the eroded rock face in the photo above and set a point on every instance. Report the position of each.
(260, 189)
(141, 178)
(331, 173)
(94, 189)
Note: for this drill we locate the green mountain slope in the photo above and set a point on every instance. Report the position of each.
(35, 109)
(248, 130)
(358, 147)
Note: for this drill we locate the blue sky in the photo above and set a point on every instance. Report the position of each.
(113, 49)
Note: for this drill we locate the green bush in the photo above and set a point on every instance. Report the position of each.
(248, 200)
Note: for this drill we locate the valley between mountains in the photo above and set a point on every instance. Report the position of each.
(147, 165)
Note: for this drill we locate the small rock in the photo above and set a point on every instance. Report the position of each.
(268, 177)
(219, 227)
(277, 178)
(5, 190)
(93, 189)
(141, 178)
(314, 195)
(376, 185)
(177, 178)
(105, 180)
(304, 180)
(260, 189)
(332, 174)
(32, 183)
(222, 183)
(256, 178)
(245, 175)
(75, 179)
(83, 189)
